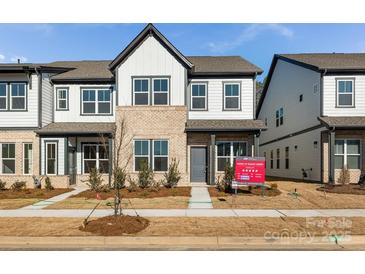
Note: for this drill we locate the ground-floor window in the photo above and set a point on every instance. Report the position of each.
(51, 158)
(271, 159)
(286, 157)
(27, 158)
(8, 158)
(278, 158)
(227, 153)
(95, 156)
(347, 153)
(152, 152)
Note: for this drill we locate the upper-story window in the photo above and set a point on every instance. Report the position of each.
(3, 97)
(231, 96)
(345, 92)
(279, 116)
(199, 96)
(151, 91)
(62, 98)
(96, 101)
(13, 96)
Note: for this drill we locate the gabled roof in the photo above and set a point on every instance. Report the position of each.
(343, 122)
(149, 30)
(76, 128)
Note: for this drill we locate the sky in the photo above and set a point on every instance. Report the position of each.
(39, 43)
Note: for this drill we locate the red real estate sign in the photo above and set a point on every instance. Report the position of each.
(250, 170)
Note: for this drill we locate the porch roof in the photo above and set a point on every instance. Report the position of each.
(225, 125)
(343, 122)
(76, 128)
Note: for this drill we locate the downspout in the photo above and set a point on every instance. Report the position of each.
(254, 95)
(321, 92)
(39, 74)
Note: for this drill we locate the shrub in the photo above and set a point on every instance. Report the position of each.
(48, 184)
(172, 176)
(132, 187)
(145, 175)
(344, 178)
(2, 185)
(95, 180)
(274, 186)
(120, 177)
(18, 185)
(156, 185)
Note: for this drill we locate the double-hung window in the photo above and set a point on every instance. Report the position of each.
(62, 98)
(160, 155)
(271, 159)
(154, 153)
(96, 101)
(231, 96)
(278, 158)
(141, 91)
(18, 96)
(227, 153)
(347, 153)
(51, 158)
(345, 92)
(27, 158)
(199, 96)
(286, 157)
(3, 96)
(8, 158)
(160, 91)
(141, 153)
(279, 116)
(96, 156)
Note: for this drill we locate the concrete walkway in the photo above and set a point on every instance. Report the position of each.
(200, 197)
(53, 200)
(82, 213)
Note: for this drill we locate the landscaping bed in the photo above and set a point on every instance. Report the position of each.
(343, 189)
(257, 191)
(32, 193)
(116, 225)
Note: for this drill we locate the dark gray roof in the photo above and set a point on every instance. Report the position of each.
(330, 61)
(343, 122)
(224, 125)
(69, 128)
(225, 64)
(83, 70)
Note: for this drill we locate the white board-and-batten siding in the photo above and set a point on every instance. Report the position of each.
(60, 154)
(47, 100)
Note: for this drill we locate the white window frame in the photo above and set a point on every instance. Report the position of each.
(160, 92)
(30, 159)
(141, 156)
(17, 96)
(6, 97)
(159, 156)
(1, 157)
(56, 157)
(347, 93)
(345, 154)
(58, 91)
(96, 101)
(193, 96)
(97, 159)
(231, 156)
(144, 92)
(235, 96)
(279, 119)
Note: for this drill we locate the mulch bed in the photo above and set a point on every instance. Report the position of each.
(256, 191)
(343, 189)
(116, 226)
(32, 193)
(139, 193)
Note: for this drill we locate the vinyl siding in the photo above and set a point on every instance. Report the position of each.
(73, 114)
(29, 118)
(60, 154)
(329, 97)
(47, 100)
(215, 100)
(151, 59)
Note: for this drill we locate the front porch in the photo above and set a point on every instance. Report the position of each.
(70, 150)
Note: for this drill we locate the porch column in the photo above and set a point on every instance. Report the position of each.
(211, 180)
(256, 144)
(331, 160)
(110, 147)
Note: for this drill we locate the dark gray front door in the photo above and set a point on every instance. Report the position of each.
(198, 164)
(72, 165)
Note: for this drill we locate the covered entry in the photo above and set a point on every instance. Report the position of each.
(198, 164)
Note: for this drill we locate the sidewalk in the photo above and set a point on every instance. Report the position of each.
(82, 213)
(178, 243)
(200, 197)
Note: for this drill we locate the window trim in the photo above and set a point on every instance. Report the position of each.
(1, 158)
(148, 92)
(46, 143)
(352, 79)
(153, 156)
(278, 158)
(29, 159)
(231, 156)
(345, 152)
(134, 154)
(287, 157)
(153, 91)
(279, 118)
(25, 97)
(8, 96)
(58, 99)
(97, 159)
(272, 159)
(150, 79)
(239, 95)
(205, 97)
(96, 88)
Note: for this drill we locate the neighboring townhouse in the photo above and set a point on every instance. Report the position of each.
(199, 110)
(314, 108)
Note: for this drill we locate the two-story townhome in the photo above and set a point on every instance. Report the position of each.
(314, 108)
(64, 118)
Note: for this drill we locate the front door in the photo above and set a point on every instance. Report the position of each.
(198, 164)
(72, 165)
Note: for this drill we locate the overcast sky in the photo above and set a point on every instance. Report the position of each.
(39, 43)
